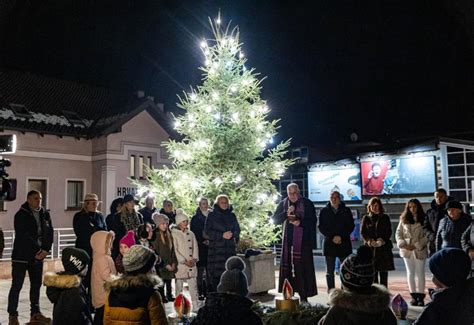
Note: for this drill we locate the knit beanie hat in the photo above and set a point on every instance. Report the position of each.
(454, 205)
(451, 266)
(74, 260)
(181, 216)
(138, 260)
(357, 271)
(159, 219)
(128, 239)
(233, 280)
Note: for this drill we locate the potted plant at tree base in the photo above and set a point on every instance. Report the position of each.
(260, 266)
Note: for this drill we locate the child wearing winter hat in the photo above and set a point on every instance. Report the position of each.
(229, 305)
(163, 246)
(359, 301)
(187, 254)
(452, 302)
(103, 268)
(133, 297)
(66, 291)
(125, 243)
(145, 234)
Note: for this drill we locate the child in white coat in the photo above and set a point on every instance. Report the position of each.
(187, 254)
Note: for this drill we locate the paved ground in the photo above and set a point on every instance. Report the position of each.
(397, 284)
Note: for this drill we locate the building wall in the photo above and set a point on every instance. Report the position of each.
(103, 163)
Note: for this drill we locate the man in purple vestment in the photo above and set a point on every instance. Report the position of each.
(298, 216)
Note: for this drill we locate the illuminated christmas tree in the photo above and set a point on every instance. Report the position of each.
(226, 140)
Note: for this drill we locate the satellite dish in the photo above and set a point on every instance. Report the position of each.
(354, 137)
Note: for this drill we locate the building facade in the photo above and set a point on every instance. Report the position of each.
(74, 139)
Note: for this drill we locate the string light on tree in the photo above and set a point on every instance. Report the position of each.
(226, 146)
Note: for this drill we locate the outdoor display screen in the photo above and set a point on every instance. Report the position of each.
(344, 179)
(411, 175)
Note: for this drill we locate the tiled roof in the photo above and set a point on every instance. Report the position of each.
(64, 107)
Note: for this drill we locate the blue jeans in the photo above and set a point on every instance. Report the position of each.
(35, 272)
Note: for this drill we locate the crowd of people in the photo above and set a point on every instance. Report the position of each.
(122, 266)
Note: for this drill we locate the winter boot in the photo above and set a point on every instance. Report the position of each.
(420, 299)
(414, 299)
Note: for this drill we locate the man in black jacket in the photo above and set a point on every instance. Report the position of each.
(148, 210)
(434, 216)
(336, 224)
(34, 237)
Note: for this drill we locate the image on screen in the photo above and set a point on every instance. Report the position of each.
(345, 180)
(410, 175)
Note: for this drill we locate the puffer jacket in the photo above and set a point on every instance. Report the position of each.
(103, 266)
(412, 234)
(353, 308)
(452, 305)
(226, 308)
(186, 248)
(71, 304)
(134, 300)
(450, 231)
(26, 245)
(431, 224)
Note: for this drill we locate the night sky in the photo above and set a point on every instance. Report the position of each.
(382, 69)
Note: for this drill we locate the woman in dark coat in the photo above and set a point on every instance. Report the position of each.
(197, 227)
(376, 230)
(128, 218)
(223, 231)
(85, 223)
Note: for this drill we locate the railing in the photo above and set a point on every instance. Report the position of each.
(63, 237)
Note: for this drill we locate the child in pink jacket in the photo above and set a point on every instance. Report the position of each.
(103, 268)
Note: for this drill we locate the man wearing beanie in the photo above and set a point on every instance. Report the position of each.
(452, 302)
(133, 297)
(66, 291)
(229, 305)
(359, 301)
(452, 226)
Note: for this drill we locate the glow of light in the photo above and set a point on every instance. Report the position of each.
(215, 95)
(190, 117)
(193, 96)
(262, 196)
(228, 64)
(233, 89)
(177, 124)
(212, 71)
(195, 184)
(246, 82)
(192, 125)
(235, 116)
(217, 116)
(260, 126)
(207, 52)
(208, 109)
(231, 41)
(207, 62)
(217, 181)
(271, 221)
(264, 109)
(224, 41)
(252, 224)
(241, 55)
(275, 198)
(244, 68)
(270, 140)
(238, 179)
(218, 21)
(215, 65)
(263, 143)
(203, 44)
(252, 114)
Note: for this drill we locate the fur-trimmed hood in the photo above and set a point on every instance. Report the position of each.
(58, 283)
(125, 282)
(61, 280)
(101, 242)
(132, 291)
(372, 303)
